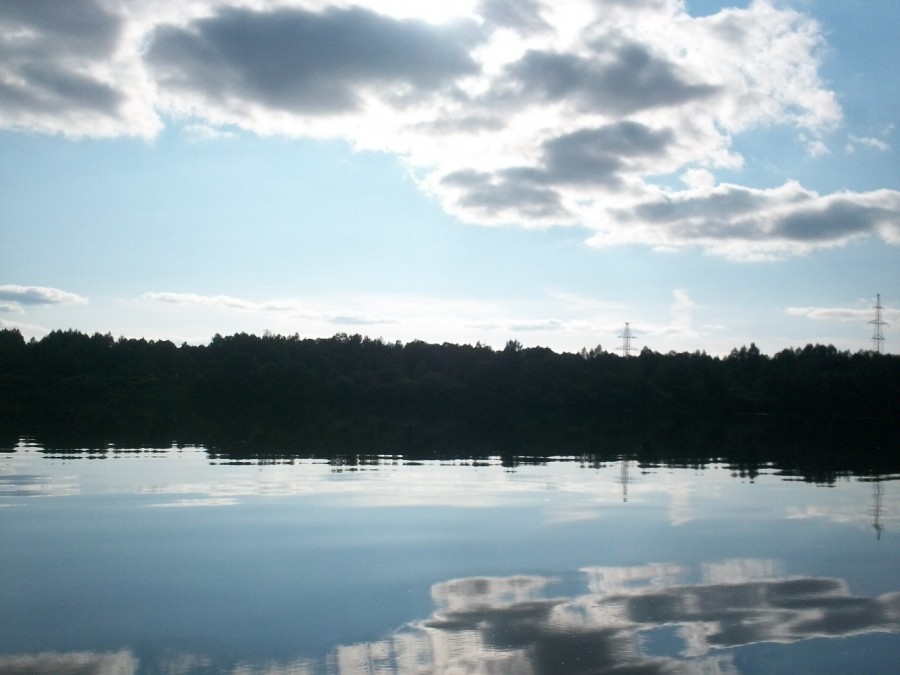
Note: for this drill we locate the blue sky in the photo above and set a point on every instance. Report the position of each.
(713, 173)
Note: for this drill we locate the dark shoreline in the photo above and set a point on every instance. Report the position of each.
(814, 410)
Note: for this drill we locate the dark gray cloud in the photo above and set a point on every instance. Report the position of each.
(587, 157)
(837, 219)
(511, 191)
(308, 62)
(726, 202)
(621, 78)
(466, 124)
(49, 51)
(74, 27)
(51, 89)
(762, 218)
(595, 156)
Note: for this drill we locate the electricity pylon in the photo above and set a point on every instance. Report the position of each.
(626, 341)
(878, 335)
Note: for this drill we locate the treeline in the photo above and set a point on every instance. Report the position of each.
(352, 389)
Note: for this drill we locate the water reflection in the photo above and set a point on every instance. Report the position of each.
(83, 663)
(517, 625)
(37, 485)
(309, 566)
(877, 510)
(581, 491)
(645, 619)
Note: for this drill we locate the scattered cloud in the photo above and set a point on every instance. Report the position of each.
(546, 325)
(223, 302)
(867, 142)
(532, 113)
(817, 148)
(205, 132)
(36, 295)
(859, 314)
(682, 320)
(28, 330)
(830, 313)
(392, 310)
(753, 224)
(357, 320)
(316, 310)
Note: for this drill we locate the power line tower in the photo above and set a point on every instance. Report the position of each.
(878, 335)
(626, 341)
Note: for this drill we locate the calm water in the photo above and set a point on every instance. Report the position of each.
(174, 561)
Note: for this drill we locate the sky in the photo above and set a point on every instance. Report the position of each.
(713, 173)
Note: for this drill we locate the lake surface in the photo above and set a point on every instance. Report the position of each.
(180, 561)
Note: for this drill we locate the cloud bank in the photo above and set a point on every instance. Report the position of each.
(532, 113)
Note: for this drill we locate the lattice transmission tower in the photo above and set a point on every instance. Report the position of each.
(627, 337)
(878, 335)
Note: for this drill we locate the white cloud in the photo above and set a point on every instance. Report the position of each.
(223, 302)
(868, 142)
(815, 148)
(533, 113)
(38, 295)
(679, 326)
(28, 330)
(205, 132)
(856, 314)
(698, 179)
(315, 310)
(682, 321)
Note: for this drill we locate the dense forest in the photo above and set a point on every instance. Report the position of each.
(351, 391)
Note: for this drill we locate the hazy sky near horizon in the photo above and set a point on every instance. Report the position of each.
(714, 173)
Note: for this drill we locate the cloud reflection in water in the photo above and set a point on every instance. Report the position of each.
(512, 624)
(81, 663)
(520, 625)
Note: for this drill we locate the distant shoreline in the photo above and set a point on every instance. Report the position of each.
(350, 392)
